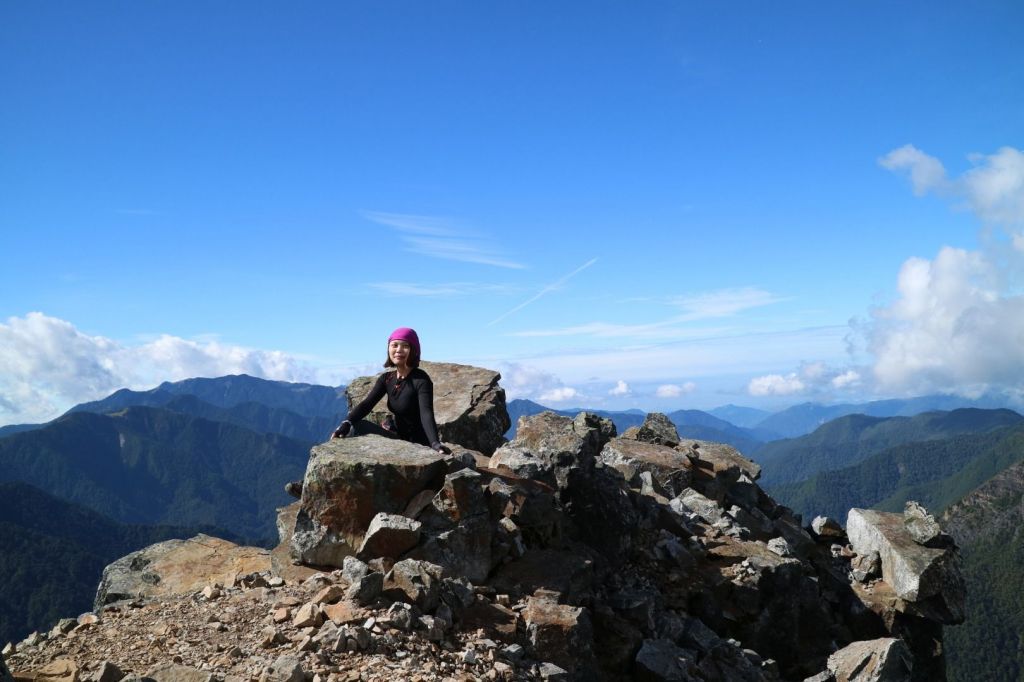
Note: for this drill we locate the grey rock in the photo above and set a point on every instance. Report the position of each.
(926, 576)
(417, 582)
(923, 527)
(469, 406)
(552, 673)
(389, 535)
(706, 509)
(661, 659)
(866, 567)
(365, 590)
(657, 429)
(171, 672)
(353, 569)
(670, 468)
(878, 660)
(284, 669)
(780, 547)
(823, 676)
(107, 672)
(827, 527)
(5, 673)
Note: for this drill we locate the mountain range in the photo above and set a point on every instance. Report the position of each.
(137, 467)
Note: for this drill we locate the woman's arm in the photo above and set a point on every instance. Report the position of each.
(425, 396)
(366, 404)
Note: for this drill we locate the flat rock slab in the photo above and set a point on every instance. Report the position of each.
(721, 457)
(669, 467)
(469, 406)
(59, 670)
(916, 573)
(178, 567)
(877, 660)
(348, 482)
(170, 672)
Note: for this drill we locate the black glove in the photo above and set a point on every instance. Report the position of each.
(440, 447)
(343, 430)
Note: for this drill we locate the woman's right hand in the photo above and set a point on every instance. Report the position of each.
(342, 430)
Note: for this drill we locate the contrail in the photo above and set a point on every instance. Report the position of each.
(546, 290)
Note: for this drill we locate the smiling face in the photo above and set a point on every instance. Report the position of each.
(399, 352)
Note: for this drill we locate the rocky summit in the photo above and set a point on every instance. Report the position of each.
(569, 553)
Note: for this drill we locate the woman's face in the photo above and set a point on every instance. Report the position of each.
(399, 351)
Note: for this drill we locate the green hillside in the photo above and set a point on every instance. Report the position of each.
(154, 466)
(850, 439)
(52, 554)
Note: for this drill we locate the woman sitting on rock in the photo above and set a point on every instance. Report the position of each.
(410, 395)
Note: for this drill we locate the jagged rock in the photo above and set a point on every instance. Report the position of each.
(669, 467)
(178, 567)
(418, 582)
(172, 672)
(389, 535)
(469, 406)
(5, 674)
(661, 660)
(559, 633)
(657, 429)
(878, 660)
(366, 589)
(692, 502)
(552, 673)
(923, 527)
(827, 527)
(927, 577)
(284, 669)
(549, 444)
(348, 482)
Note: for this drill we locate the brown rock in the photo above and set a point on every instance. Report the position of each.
(389, 535)
(328, 595)
(171, 672)
(559, 633)
(177, 567)
(669, 467)
(60, 670)
(348, 482)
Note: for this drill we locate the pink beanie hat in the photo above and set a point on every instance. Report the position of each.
(407, 334)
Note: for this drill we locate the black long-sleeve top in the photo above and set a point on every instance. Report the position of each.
(411, 400)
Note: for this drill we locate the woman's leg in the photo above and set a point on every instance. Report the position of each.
(365, 427)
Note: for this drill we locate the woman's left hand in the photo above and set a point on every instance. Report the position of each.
(442, 448)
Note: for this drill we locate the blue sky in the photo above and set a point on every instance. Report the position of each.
(656, 204)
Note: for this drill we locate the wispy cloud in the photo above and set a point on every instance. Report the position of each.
(437, 237)
(554, 286)
(717, 304)
(439, 290)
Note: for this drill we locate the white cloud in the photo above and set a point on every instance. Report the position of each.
(957, 323)
(47, 365)
(621, 388)
(438, 238)
(926, 172)
(675, 390)
(776, 384)
(847, 379)
(953, 327)
(558, 395)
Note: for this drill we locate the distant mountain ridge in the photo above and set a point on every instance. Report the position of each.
(150, 465)
(847, 440)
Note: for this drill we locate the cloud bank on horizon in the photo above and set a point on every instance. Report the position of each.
(957, 323)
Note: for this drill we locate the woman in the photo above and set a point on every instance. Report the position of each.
(410, 396)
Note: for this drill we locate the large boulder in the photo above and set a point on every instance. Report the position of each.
(928, 578)
(351, 480)
(469, 406)
(178, 567)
